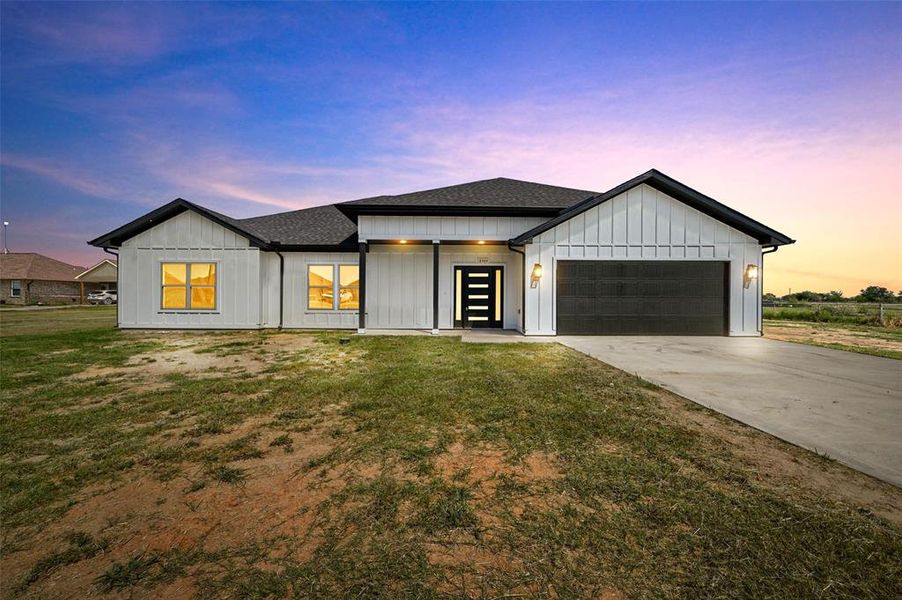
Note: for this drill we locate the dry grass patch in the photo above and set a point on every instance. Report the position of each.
(879, 341)
(192, 355)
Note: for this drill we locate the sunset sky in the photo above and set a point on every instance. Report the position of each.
(789, 113)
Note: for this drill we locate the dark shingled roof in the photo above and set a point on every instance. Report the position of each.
(333, 226)
(487, 193)
(317, 226)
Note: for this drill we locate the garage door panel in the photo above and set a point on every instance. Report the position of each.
(641, 297)
(630, 288)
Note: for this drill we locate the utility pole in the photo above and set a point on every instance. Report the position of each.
(5, 238)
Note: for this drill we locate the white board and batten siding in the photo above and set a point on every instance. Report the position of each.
(379, 227)
(643, 224)
(296, 313)
(189, 237)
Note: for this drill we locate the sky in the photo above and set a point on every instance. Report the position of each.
(789, 113)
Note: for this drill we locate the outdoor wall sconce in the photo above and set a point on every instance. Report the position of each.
(750, 275)
(536, 275)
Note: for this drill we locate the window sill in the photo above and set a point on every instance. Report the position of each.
(329, 311)
(188, 312)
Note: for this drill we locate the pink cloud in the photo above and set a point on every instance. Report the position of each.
(107, 36)
(63, 174)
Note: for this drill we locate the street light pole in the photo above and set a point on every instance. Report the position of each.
(5, 238)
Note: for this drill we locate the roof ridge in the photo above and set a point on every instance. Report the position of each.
(286, 212)
(560, 187)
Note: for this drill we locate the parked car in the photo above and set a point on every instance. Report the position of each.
(103, 297)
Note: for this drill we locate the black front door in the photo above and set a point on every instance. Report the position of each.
(478, 298)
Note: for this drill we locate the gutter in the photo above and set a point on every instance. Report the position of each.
(522, 253)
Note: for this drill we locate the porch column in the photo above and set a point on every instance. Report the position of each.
(435, 245)
(361, 310)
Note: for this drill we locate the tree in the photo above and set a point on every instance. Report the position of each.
(874, 293)
(832, 296)
(807, 296)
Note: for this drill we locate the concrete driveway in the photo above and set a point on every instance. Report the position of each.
(845, 405)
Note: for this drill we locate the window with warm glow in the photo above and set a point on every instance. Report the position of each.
(326, 292)
(189, 286)
(349, 287)
(320, 287)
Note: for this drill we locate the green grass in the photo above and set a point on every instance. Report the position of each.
(636, 502)
(22, 322)
(850, 314)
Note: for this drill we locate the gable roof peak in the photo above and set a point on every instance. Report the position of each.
(677, 190)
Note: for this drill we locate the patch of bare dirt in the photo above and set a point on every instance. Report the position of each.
(780, 465)
(143, 516)
(801, 332)
(199, 356)
(483, 466)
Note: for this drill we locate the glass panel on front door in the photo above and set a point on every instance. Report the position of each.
(478, 300)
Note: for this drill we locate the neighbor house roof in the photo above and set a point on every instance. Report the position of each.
(36, 267)
(673, 188)
(499, 195)
(90, 270)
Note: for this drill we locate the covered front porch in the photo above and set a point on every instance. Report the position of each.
(439, 285)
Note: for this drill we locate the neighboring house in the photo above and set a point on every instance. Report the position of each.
(30, 278)
(102, 276)
(650, 256)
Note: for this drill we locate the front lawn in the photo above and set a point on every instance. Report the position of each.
(267, 465)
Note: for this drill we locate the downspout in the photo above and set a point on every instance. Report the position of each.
(281, 285)
(116, 254)
(773, 248)
(522, 287)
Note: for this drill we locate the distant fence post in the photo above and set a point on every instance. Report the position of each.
(881, 313)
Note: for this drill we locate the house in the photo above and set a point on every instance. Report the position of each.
(650, 256)
(101, 276)
(31, 278)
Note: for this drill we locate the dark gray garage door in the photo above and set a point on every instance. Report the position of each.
(603, 297)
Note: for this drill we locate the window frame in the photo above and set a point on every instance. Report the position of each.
(320, 287)
(336, 286)
(15, 292)
(188, 308)
(340, 287)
